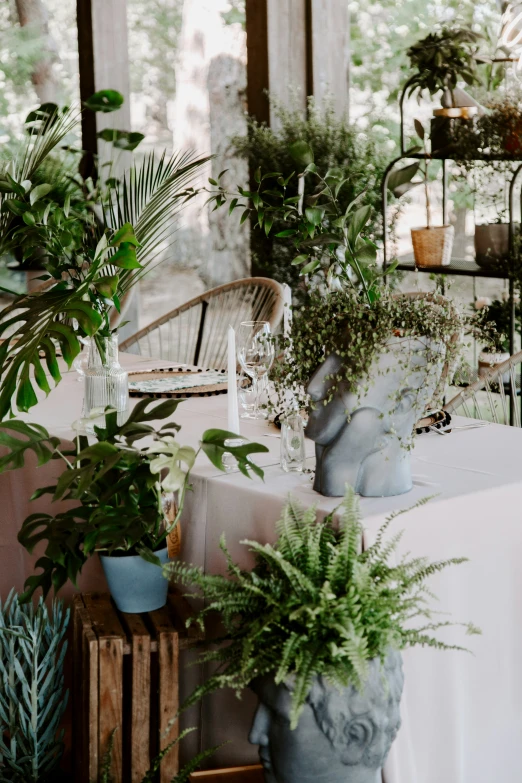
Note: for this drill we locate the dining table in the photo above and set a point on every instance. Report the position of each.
(461, 710)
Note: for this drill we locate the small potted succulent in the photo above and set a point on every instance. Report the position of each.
(316, 629)
(432, 245)
(441, 59)
(127, 500)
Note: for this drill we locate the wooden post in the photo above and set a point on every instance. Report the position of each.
(104, 64)
(330, 53)
(257, 59)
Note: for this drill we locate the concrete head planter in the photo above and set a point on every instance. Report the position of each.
(343, 735)
(362, 438)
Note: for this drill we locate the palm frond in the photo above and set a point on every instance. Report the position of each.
(150, 197)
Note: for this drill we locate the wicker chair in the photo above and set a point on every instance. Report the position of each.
(196, 332)
(492, 397)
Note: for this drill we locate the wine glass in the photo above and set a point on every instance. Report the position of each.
(255, 351)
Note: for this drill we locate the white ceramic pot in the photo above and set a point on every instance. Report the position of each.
(488, 362)
(432, 246)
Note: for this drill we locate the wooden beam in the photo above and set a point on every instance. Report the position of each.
(104, 64)
(257, 59)
(287, 53)
(87, 86)
(330, 53)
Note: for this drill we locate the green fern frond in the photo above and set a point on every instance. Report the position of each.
(315, 604)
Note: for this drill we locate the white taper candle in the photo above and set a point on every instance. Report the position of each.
(287, 310)
(233, 410)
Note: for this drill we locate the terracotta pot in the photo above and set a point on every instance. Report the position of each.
(432, 246)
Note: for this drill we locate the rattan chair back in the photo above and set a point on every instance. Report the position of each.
(196, 332)
(494, 396)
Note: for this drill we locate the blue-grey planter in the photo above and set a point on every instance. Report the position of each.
(135, 585)
(343, 735)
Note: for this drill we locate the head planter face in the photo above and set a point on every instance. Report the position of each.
(362, 438)
(343, 736)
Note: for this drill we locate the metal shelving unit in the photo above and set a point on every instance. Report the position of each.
(458, 266)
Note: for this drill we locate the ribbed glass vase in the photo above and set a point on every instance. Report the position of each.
(106, 382)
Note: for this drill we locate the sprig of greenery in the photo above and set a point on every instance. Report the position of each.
(328, 238)
(93, 262)
(315, 603)
(151, 775)
(118, 488)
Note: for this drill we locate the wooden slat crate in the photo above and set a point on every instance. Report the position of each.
(126, 686)
(231, 775)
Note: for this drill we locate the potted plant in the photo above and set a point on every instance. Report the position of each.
(441, 59)
(498, 313)
(124, 500)
(90, 263)
(363, 362)
(316, 629)
(432, 245)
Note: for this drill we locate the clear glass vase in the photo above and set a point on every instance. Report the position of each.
(106, 382)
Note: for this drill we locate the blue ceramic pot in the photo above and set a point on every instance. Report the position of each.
(135, 585)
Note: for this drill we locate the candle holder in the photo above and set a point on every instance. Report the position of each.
(229, 461)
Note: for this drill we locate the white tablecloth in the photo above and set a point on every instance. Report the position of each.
(462, 713)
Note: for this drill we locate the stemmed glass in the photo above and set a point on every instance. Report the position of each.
(255, 351)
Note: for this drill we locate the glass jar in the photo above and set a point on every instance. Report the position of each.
(292, 443)
(106, 382)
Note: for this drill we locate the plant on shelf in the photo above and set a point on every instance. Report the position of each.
(358, 157)
(118, 492)
(319, 620)
(441, 59)
(497, 134)
(432, 245)
(353, 346)
(32, 699)
(89, 276)
(498, 313)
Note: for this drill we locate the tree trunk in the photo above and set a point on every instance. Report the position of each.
(33, 14)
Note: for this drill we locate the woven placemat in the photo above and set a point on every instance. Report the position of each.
(177, 383)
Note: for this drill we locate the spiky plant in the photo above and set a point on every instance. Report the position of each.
(32, 701)
(315, 603)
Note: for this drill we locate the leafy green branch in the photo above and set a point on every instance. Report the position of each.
(328, 238)
(118, 487)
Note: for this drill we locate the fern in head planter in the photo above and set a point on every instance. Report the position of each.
(314, 604)
(32, 702)
(116, 485)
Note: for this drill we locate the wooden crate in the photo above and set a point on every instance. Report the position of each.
(126, 686)
(230, 775)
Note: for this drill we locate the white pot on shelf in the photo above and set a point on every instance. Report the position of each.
(488, 361)
(432, 246)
